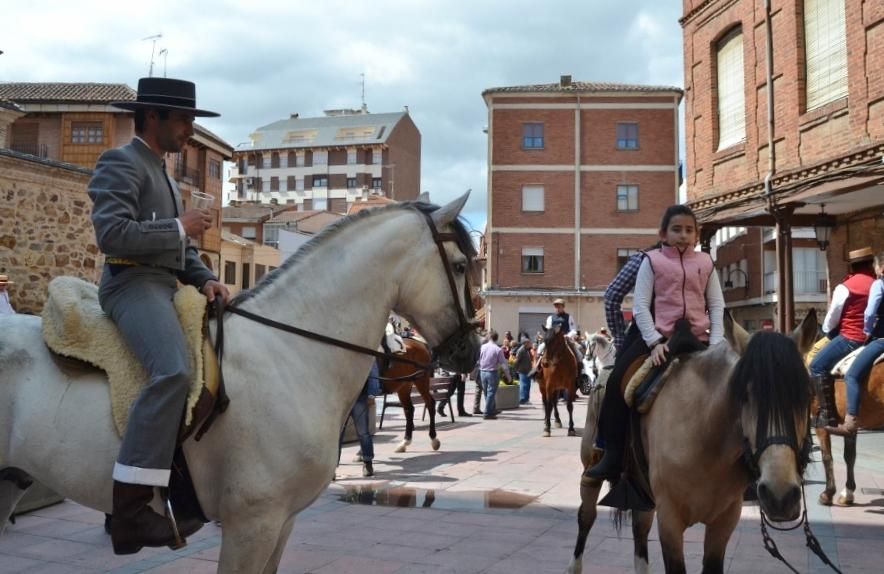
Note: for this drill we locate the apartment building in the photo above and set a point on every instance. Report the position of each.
(330, 162)
(579, 174)
(815, 162)
(75, 122)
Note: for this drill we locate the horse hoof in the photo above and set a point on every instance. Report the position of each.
(845, 498)
(572, 432)
(546, 433)
(576, 566)
(825, 499)
(435, 443)
(402, 446)
(558, 424)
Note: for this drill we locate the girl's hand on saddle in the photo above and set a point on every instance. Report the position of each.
(658, 354)
(213, 289)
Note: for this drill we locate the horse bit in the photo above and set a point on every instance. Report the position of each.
(750, 460)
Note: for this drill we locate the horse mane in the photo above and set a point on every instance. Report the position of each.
(462, 234)
(771, 372)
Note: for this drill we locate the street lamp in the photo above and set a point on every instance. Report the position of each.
(822, 228)
(728, 284)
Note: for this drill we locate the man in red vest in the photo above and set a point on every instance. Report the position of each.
(844, 327)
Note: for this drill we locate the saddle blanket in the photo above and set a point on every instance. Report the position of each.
(75, 326)
(840, 369)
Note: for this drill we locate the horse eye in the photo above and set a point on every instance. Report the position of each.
(460, 267)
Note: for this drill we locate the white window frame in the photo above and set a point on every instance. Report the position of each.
(533, 198)
(249, 232)
(632, 199)
(351, 157)
(825, 52)
(377, 156)
(529, 252)
(299, 159)
(731, 91)
(319, 204)
(320, 157)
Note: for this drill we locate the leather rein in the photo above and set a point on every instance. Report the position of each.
(453, 343)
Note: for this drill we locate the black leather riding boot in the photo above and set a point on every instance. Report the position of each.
(614, 420)
(134, 524)
(824, 387)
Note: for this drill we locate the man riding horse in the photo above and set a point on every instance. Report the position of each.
(143, 230)
(566, 323)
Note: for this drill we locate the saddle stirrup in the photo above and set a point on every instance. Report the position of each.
(180, 542)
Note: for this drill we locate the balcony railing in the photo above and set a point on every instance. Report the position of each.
(805, 282)
(184, 174)
(39, 150)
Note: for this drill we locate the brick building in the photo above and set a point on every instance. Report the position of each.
(818, 154)
(74, 123)
(330, 162)
(579, 174)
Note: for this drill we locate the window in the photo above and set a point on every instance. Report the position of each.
(532, 260)
(290, 183)
(230, 272)
(809, 270)
(299, 184)
(627, 135)
(731, 91)
(532, 136)
(265, 184)
(274, 160)
(532, 198)
(274, 184)
(293, 159)
(320, 157)
(377, 156)
(215, 169)
(825, 51)
(299, 162)
(249, 232)
(627, 198)
(623, 256)
(266, 161)
(319, 204)
(377, 182)
(260, 270)
(351, 183)
(351, 156)
(87, 133)
(246, 275)
(271, 237)
(320, 181)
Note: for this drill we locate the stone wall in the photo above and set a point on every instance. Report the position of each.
(45, 229)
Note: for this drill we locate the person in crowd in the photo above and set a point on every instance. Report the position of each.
(524, 361)
(360, 415)
(873, 331)
(678, 283)
(490, 359)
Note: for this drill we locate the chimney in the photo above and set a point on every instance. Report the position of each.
(565, 81)
(294, 116)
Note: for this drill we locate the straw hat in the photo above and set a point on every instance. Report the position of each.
(4, 280)
(860, 254)
(559, 302)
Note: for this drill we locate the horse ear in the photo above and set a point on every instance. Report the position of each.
(424, 197)
(734, 333)
(805, 334)
(449, 212)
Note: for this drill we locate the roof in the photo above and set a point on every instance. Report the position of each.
(316, 222)
(370, 202)
(252, 212)
(294, 216)
(326, 131)
(582, 87)
(206, 137)
(36, 92)
(232, 238)
(10, 105)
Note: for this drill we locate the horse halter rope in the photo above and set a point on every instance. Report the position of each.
(750, 460)
(456, 342)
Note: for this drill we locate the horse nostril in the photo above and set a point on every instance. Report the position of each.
(763, 492)
(792, 498)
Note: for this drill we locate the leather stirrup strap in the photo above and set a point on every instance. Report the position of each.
(222, 401)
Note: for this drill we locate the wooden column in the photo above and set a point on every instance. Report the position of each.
(785, 283)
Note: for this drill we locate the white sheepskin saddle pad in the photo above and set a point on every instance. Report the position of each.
(840, 369)
(74, 325)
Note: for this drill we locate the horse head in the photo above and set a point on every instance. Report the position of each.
(770, 389)
(437, 297)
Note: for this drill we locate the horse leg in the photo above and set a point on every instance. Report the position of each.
(586, 515)
(641, 527)
(822, 436)
(718, 533)
(408, 409)
(424, 388)
(547, 411)
(554, 399)
(846, 496)
(13, 485)
(571, 431)
(671, 529)
(273, 563)
(249, 542)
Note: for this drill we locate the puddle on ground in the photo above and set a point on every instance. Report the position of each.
(407, 497)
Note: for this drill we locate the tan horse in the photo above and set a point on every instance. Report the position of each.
(401, 378)
(871, 416)
(745, 392)
(558, 372)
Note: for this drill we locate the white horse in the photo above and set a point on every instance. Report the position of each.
(600, 354)
(274, 450)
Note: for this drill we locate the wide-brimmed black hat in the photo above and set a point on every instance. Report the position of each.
(165, 94)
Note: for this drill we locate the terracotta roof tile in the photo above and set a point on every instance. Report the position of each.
(24, 92)
(582, 87)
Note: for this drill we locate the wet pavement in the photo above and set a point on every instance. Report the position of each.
(496, 498)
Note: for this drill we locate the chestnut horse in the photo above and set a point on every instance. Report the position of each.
(871, 416)
(747, 398)
(398, 377)
(558, 372)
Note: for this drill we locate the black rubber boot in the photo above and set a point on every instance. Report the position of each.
(367, 469)
(134, 524)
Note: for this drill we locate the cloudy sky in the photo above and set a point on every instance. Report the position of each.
(257, 62)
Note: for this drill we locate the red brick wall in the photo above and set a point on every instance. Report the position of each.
(598, 256)
(802, 138)
(656, 139)
(598, 202)
(404, 151)
(558, 137)
(506, 256)
(558, 198)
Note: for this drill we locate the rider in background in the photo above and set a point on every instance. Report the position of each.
(679, 283)
(844, 326)
(360, 415)
(873, 330)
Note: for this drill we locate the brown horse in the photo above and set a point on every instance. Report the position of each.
(736, 400)
(871, 416)
(558, 372)
(401, 377)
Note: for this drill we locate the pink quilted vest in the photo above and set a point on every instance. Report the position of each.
(680, 289)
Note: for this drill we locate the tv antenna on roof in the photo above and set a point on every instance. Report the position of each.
(165, 54)
(364, 107)
(153, 50)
